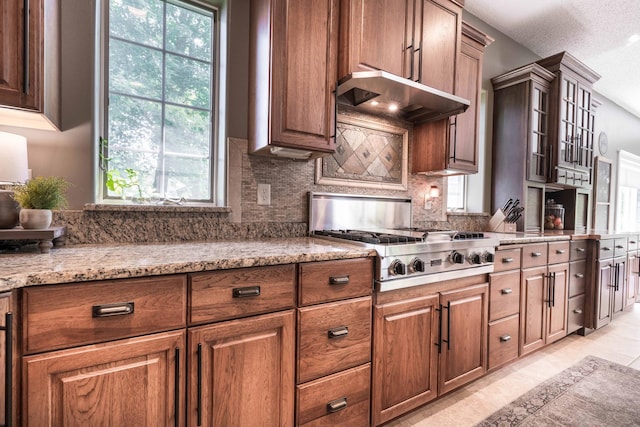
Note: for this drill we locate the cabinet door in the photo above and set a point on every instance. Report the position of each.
(241, 372)
(8, 304)
(405, 359)
(441, 32)
(464, 336)
(585, 121)
(619, 288)
(604, 288)
(372, 35)
(463, 136)
(566, 150)
(18, 62)
(533, 317)
(633, 272)
(304, 74)
(539, 138)
(557, 297)
(135, 382)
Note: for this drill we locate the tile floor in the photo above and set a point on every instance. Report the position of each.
(619, 342)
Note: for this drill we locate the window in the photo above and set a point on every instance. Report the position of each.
(162, 132)
(456, 193)
(628, 192)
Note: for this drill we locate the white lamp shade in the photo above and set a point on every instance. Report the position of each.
(13, 158)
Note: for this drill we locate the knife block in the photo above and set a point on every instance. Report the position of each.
(497, 224)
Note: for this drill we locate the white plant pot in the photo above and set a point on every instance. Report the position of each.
(35, 219)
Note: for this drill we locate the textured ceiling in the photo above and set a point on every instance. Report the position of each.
(603, 35)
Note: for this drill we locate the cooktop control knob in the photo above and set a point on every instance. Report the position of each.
(417, 265)
(474, 258)
(457, 257)
(397, 268)
(488, 257)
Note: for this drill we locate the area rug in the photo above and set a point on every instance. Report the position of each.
(593, 392)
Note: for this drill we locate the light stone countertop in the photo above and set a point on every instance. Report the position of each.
(100, 262)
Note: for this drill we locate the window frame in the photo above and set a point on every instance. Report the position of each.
(218, 158)
(463, 208)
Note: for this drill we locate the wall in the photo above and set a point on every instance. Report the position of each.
(70, 153)
(504, 54)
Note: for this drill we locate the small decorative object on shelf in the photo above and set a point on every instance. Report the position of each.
(37, 198)
(46, 238)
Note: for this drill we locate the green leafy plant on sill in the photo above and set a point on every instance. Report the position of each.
(42, 193)
(115, 180)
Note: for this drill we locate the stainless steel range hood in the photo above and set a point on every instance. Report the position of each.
(374, 92)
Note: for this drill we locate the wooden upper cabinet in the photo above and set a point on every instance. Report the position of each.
(450, 146)
(30, 63)
(292, 77)
(571, 120)
(415, 39)
(373, 35)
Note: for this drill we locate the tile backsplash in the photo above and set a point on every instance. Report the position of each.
(286, 216)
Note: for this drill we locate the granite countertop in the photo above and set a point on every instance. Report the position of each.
(551, 235)
(100, 262)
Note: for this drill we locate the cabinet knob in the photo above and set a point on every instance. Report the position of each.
(506, 291)
(505, 338)
(580, 250)
(560, 251)
(507, 260)
(536, 254)
(578, 311)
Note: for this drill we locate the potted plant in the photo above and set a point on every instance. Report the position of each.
(37, 198)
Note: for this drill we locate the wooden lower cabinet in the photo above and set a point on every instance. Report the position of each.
(131, 382)
(426, 346)
(405, 359)
(8, 305)
(544, 296)
(241, 372)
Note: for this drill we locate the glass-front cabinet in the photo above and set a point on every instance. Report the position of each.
(572, 119)
(539, 134)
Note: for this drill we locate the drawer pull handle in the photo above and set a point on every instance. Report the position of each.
(506, 291)
(559, 251)
(337, 405)
(505, 338)
(249, 291)
(633, 242)
(580, 250)
(507, 260)
(115, 309)
(606, 248)
(339, 280)
(578, 311)
(342, 331)
(536, 254)
(579, 275)
(619, 247)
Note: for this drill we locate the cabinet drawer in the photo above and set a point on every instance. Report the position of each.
(507, 259)
(333, 337)
(606, 248)
(576, 314)
(632, 243)
(559, 252)
(503, 341)
(335, 280)
(63, 316)
(534, 255)
(620, 246)
(577, 277)
(228, 294)
(504, 294)
(340, 399)
(578, 250)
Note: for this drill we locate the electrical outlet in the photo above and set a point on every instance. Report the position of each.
(264, 194)
(427, 202)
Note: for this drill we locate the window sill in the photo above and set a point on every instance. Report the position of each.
(105, 207)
